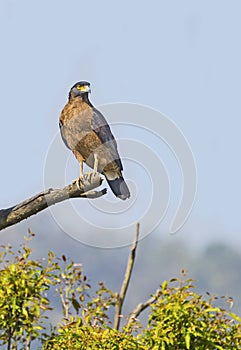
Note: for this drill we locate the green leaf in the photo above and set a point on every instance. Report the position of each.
(25, 313)
(234, 316)
(187, 340)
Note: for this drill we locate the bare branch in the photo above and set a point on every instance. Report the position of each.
(126, 280)
(41, 201)
(142, 306)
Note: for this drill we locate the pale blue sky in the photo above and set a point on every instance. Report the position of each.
(179, 57)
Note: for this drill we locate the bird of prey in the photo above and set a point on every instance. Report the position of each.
(87, 134)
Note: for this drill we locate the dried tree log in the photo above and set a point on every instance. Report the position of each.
(39, 202)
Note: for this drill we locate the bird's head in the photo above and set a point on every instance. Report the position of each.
(82, 88)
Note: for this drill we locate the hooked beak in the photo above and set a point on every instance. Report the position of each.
(86, 88)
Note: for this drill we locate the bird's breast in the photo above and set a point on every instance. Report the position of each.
(75, 122)
(78, 134)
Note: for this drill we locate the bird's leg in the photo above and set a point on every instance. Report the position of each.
(95, 163)
(81, 175)
(80, 159)
(91, 175)
(81, 169)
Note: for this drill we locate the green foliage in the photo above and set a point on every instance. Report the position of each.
(179, 318)
(71, 286)
(23, 283)
(76, 335)
(182, 319)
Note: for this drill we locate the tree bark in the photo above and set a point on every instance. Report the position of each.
(77, 189)
(142, 306)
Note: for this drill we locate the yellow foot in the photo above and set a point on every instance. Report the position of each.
(90, 177)
(86, 180)
(79, 182)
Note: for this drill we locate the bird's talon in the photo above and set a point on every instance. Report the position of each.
(78, 182)
(88, 176)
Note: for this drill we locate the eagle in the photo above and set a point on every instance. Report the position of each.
(87, 134)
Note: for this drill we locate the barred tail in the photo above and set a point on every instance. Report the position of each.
(119, 187)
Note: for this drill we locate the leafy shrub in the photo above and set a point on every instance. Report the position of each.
(182, 319)
(23, 284)
(179, 318)
(76, 335)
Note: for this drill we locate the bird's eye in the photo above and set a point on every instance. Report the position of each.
(83, 88)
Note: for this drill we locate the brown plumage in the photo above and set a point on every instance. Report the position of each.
(86, 132)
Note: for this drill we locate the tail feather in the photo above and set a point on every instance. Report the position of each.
(119, 188)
